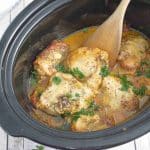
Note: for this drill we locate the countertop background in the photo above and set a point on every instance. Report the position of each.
(7, 14)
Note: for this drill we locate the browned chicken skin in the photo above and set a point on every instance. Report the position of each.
(50, 57)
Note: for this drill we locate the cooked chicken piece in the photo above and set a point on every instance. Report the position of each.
(113, 97)
(68, 96)
(89, 62)
(88, 123)
(132, 51)
(103, 119)
(50, 57)
(118, 69)
(113, 117)
(95, 81)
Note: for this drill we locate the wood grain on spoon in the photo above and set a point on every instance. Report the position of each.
(108, 35)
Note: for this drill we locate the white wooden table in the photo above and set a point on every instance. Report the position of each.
(8, 142)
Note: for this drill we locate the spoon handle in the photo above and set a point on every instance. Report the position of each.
(121, 10)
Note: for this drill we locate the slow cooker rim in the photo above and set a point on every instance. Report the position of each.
(8, 76)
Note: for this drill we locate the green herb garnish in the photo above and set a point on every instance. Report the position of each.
(145, 62)
(90, 111)
(39, 147)
(125, 83)
(72, 97)
(139, 91)
(77, 115)
(61, 68)
(66, 114)
(138, 73)
(56, 80)
(74, 72)
(104, 71)
(147, 74)
(93, 106)
(85, 112)
(77, 95)
(34, 78)
(85, 30)
(77, 73)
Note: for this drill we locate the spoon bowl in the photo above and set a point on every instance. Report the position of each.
(108, 35)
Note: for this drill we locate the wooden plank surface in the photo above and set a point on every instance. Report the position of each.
(11, 143)
(15, 143)
(16, 10)
(4, 23)
(128, 146)
(29, 145)
(27, 2)
(143, 143)
(3, 139)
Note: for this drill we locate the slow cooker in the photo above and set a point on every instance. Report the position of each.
(32, 30)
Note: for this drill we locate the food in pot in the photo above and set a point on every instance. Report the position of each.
(73, 87)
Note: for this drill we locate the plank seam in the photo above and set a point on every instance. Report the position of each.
(7, 143)
(135, 145)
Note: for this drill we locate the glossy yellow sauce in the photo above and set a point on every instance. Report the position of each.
(76, 39)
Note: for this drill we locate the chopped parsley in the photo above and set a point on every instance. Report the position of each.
(77, 95)
(77, 73)
(34, 78)
(39, 147)
(74, 72)
(93, 105)
(61, 68)
(139, 73)
(145, 62)
(78, 114)
(85, 30)
(72, 97)
(139, 91)
(147, 74)
(145, 71)
(125, 83)
(90, 111)
(104, 71)
(56, 80)
(66, 114)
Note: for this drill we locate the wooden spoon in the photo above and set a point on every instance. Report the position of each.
(108, 35)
